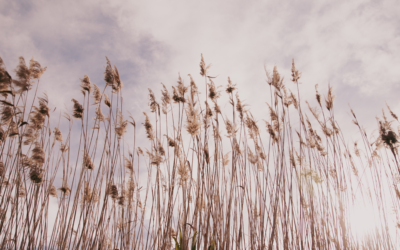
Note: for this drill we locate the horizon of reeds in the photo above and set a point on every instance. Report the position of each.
(216, 178)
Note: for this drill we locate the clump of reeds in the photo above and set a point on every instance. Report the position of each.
(209, 176)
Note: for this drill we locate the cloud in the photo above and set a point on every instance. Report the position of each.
(72, 39)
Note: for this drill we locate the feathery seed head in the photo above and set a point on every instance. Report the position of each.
(86, 85)
(87, 161)
(53, 191)
(239, 106)
(214, 94)
(148, 127)
(86, 194)
(183, 169)
(120, 126)
(230, 128)
(253, 158)
(317, 95)
(287, 100)
(217, 109)
(391, 112)
(179, 91)
(192, 120)
(23, 73)
(294, 100)
(128, 164)
(38, 154)
(314, 111)
(57, 135)
(5, 78)
(193, 88)
(387, 135)
(139, 151)
(96, 94)
(65, 189)
(251, 126)
(109, 74)
(26, 162)
(130, 185)
(118, 85)
(7, 114)
(36, 119)
(107, 101)
(231, 87)
(152, 102)
(13, 129)
(77, 110)
(36, 69)
(182, 89)
(112, 191)
(295, 73)
(271, 131)
(165, 98)
(276, 80)
(160, 148)
(121, 199)
(99, 114)
(64, 147)
(225, 160)
(43, 105)
(175, 96)
(36, 175)
(155, 159)
(171, 141)
(203, 67)
(329, 100)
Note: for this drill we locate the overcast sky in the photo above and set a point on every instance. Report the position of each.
(352, 45)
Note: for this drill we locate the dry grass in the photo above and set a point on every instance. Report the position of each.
(214, 180)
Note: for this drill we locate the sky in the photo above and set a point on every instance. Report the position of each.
(352, 46)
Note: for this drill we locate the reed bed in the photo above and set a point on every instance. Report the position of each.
(206, 178)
